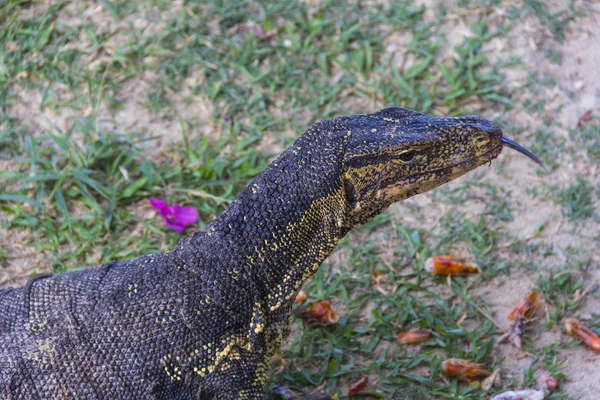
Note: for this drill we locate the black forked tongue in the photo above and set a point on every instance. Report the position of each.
(516, 146)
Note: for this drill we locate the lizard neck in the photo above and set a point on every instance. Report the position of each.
(281, 228)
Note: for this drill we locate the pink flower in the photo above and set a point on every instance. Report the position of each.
(176, 217)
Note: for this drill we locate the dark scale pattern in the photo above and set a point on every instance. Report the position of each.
(203, 320)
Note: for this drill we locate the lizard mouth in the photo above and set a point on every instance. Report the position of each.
(417, 183)
(511, 144)
(473, 163)
(421, 182)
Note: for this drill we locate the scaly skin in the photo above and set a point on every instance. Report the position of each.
(204, 319)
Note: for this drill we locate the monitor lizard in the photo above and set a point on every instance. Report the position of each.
(203, 319)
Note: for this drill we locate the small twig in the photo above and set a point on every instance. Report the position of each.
(99, 97)
(489, 317)
(481, 311)
(18, 257)
(482, 10)
(582, 294)
(204, 195)
(467, 13)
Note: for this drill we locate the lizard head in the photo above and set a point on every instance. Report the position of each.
(397, 153)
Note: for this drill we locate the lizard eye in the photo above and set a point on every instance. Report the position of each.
(407, 156)
(480, 141)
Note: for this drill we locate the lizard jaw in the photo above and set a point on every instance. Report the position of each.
(432, 179)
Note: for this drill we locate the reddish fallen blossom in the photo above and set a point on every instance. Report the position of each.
(518, 318)
(447, 266)
(413, 337)
(175, 216)
(320, 314)
(377, 278)
(527, 394)
(283, 363)
(551, 383)
(286, 394)
(262, 34)
(585, 117)
(300, 297)
(464, 370)
(526, 308)
(545, 381)
(359, 386)
(583, 333)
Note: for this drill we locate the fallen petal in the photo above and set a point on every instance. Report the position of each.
(545, 381)
(514, 335)
(286, 394)
(359, 386)
(283, 363)
(300, 297)
(526, 308)
(464, 370)
(185, 216)
(175, 227)
(586, 117)
(446, 265)
(583, 333)
(157, 204)
(168, 214)
(493, 379)
(175, 216)
(413, 337)
(320, 314)
(377, 278)
(528, 394)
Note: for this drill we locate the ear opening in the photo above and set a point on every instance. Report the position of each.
(350, 193)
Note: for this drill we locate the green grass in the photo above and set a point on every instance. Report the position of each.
(268, 70)
(587, 135)
(576, 200)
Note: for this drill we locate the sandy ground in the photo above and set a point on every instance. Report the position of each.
(579, 75)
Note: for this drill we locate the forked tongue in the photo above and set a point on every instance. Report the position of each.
(516, 146)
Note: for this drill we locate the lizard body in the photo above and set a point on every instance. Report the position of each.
(203, 320)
